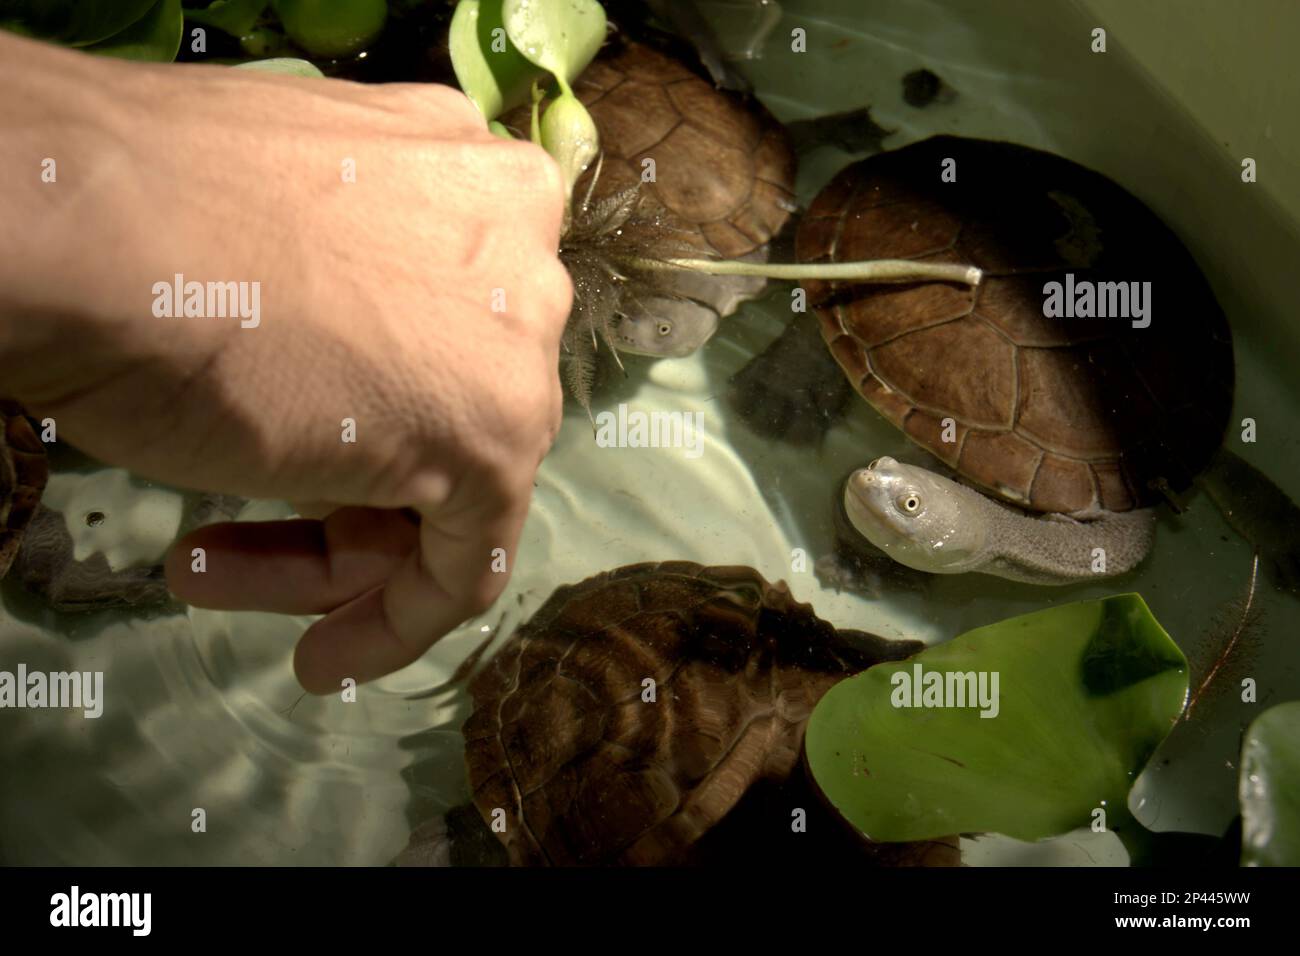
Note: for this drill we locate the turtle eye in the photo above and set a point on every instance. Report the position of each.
(909, 504)
(665, 328)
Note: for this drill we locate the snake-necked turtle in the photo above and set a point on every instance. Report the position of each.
(1089, 421)
(685, 170)
(24, 469)
(633, 712)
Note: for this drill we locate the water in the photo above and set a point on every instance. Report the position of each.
(203, 710)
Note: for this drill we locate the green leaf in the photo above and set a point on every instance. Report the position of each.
(560, 36)
(491, 71)
(156, 36)
(497, 129)
(332, 28)
(263, 42)
(1086, 692)
(288, 65)
(78, 23)
(235, 17)
(569, 134)
(1270, 788)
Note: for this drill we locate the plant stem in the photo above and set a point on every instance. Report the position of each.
(876, 270)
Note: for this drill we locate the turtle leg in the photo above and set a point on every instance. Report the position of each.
(47, 568)
(457, 838)
(793, 391)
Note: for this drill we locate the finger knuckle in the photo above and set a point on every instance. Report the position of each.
(484, 591)
(449, 105)
(539, 180)
(519, 419)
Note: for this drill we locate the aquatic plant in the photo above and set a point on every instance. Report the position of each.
(319, 27)
(1269, 788)
(1077, 698)
(131, 29)
(152, 29)
(1058, 713)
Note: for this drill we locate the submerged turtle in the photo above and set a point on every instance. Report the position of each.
(24, 470)
(685, 170)
(632, 713)
(48, 566)
(1088, 420)
(37, 550)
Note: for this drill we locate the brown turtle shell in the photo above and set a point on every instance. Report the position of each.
(1053, 414)
(24, 470)
(588, 772)
(723, 166)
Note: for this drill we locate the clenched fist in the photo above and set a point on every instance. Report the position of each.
(403, 263)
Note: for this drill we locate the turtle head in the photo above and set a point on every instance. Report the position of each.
(672, 328)
(918, 518)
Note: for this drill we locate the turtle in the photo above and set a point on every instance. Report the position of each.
(624, 722)
(36, 549)
(1066, 432)
(48, 568)
(922, 88)
(684, 20)
(24, 469)
(723, 167)
(685, 170)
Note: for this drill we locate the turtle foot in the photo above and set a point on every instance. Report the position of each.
(457, 838)
(845, 572)
(793, 391)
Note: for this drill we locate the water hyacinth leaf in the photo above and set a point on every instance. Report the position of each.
(560, 36)
(332, 28)
(1269, 788)
(263, 42)
(1086, 692)
(569, 134)
(287, 65)
(235, 17)
(77, 23)
(490, 70)
(155, 37)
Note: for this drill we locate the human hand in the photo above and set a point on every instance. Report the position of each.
(376, 305)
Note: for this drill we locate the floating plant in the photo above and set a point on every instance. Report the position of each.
(1270, 788)
(1075, 699)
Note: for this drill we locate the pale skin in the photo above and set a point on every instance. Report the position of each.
(377, 305)
(931, 523)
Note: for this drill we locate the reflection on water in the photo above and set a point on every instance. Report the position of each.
(202, 710)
